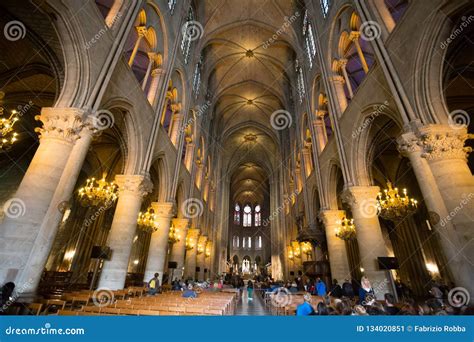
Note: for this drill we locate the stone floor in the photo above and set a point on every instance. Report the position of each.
(254, 307)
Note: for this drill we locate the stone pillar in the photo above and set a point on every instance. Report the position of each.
(132, 189)
(340, 269)
(338, 82)
(320, 129)
(190, 262)
(112, 16)
(201, 257)
(342, 65)
(188, 157)
(151, 60)
(354, 36)
(438, 159)
(363, 202)
(21, 240)
(159, 240)
(141, 31)
(156, 78)
(176, 127)
(179, 248)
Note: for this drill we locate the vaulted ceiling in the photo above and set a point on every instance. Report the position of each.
(249, 62)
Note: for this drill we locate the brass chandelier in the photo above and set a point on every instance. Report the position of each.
(189, 243)
(393, 206)
(174, 236)
(306, 248)
(147, 220)
(98, 192)
(7, 135)
(346, 230)
(208, 249)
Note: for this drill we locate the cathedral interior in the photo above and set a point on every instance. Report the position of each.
(214, 140)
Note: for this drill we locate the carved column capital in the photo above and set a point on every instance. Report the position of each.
(354, 35)
(164, 209)
(157, 72)
(408, 143)
(337, 79)
(331, 217)
(180, 223)
(360, 195)
(61, 123)
(141, 31)
(443, 142)
(137, 185)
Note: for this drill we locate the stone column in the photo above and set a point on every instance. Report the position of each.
(21, 240)
(354, 36)
(176, 127)
(179, 248)
(320, 129)
(141, 31)
(340, 269)
(159, 240)
(188, 157)
(363, 202)
(201, 256)
(190, 262)
(438, 159)
(338, 82)
(132, 189)
(112, 16)
(156, 78)
(151, 60)
(342, 65)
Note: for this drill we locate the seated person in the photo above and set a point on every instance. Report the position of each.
(390, 307)
(189, 293)
(305, 309)
(154, 285)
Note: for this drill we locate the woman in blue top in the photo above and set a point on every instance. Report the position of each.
(305, 309)
(365, 289)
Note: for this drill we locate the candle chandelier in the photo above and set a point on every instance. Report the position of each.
(7, 135)
(208, 249)
(296, 249)
(393, 206)
(147, 220)
(200, 249)
(291, 255)
(306, 248)
(174, 235)
(189, 243)
(346, 229)
(98, 192)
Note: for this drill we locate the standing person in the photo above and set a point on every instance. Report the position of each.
(336, 290)
(320, 287)
(250, 290)
(347, 290)
(365, 289)
(153, 285)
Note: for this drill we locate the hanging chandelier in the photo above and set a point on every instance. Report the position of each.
(147, 220)
(393, 206)
(200, 249)
(174, 235)
(7, 135)
(346, 230)
(189, 243)
(291, 255)
(98, 192)
(306, 248)
(296, 249)
(208, 249)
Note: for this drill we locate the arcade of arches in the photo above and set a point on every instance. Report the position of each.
(197, 139)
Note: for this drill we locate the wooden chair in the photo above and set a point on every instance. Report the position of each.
(67, 313)
(34, 309)
(130, 312)
(56, 304)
